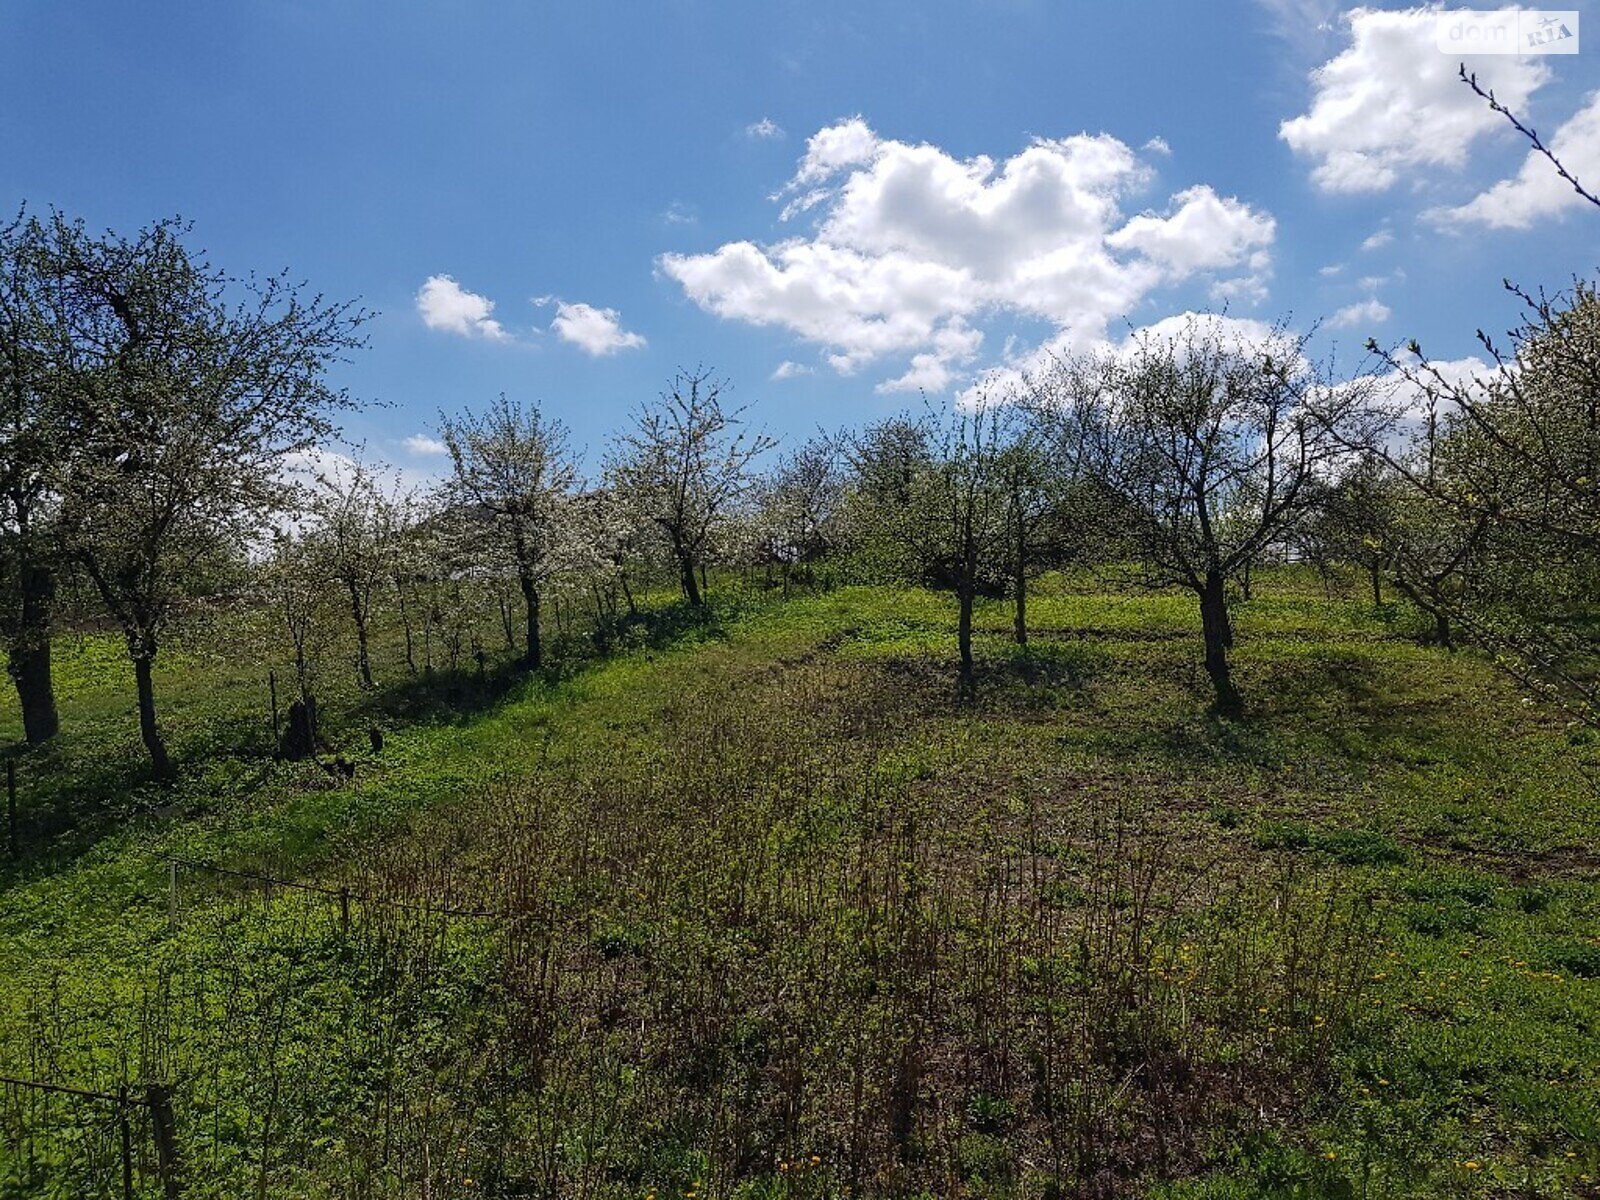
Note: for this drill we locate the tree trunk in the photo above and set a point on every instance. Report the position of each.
(1441, 629)
(363, 660)
(964, 635)
(507, 625)
(30, 655)
(533, 659)
(1441, 619)
(686, 576)
(1218, 629)
(622, 578)
(1377, 585)
(405, 621)
(299, 739)
(160, 764)
(1021, 623)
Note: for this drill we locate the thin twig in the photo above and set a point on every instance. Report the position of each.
(1472, 82)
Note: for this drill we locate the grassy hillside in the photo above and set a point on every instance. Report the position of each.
(773, 914)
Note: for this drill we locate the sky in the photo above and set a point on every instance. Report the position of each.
(845, 210)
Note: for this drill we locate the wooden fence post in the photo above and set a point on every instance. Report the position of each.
(168, 1162)
(126, 1132)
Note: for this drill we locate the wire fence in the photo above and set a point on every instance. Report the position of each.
(225, 1012)
(113, 1144)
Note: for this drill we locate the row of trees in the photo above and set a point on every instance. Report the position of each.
(154, 408)
(515, 521)
(156, 419)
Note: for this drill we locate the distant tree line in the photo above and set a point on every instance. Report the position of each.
(165, 427)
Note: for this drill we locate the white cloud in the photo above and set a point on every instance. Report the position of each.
(1200, 231)
(596, 331)
(1409, 398)
(1378, 240)
(1537, 191)
(848, 143)
(1365, 313)
(1235, 333)
(679, 213)
(446, 305)
(1330, 269)
(1248, 290)
(304, 468)
(1157, 145)
(934, 370)
(912, 246)
(1373, 282)
(1304, 24)
(764, 129)
(927, 373)
(424, 446)
(307, 466)
(1239, 335)
(789, 369)
(1390, 105)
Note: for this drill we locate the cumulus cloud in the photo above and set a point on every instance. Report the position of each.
(424, 446)
(1157, 145)
(1407, 397)
(445, 305)
(596, 331)
(1378, 240)
(788, 369)
(1365, 314)
(1200, 231)
(910, 247)
(847, 143)
(1390, 105)
(764, 129)
(1536, 191)
(1234, 333)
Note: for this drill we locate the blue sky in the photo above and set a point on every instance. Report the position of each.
(889, 198)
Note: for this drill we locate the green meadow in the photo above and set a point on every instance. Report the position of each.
(755, 904)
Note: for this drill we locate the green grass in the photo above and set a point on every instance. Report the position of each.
(680, 790)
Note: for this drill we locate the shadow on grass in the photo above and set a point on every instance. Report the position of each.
(1038, 675)
(77, 791)
(1343, 705)
(458, 695)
